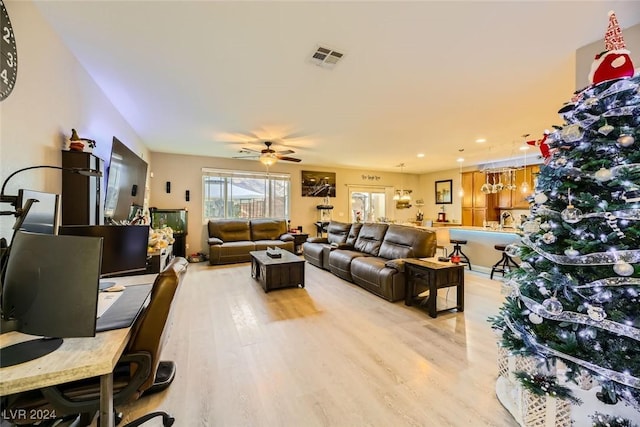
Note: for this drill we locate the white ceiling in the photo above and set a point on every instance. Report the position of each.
(210, 77)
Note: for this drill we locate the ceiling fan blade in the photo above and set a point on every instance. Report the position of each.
(251, 156)
(250, 149)
(284, 152)
(289, 159)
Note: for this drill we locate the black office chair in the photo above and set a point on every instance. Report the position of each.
(138, 372)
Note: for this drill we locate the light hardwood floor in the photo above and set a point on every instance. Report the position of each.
(331, 354)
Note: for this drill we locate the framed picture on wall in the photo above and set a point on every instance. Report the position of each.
(443, 192)
(318, 184)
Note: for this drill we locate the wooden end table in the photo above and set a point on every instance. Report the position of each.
(430, 274)
(277, 273)
(298, 240)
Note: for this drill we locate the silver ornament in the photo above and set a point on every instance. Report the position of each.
(561, 161)
(603, 174)
(540, 198)
(606, 129)
(548, 238)
(596, 313)
(530, 227)
(571, 214)
(571, 253)
(625, 140)
(512, 250)
(572, 133)
(623, 268)
(552, 305)
(534, 318)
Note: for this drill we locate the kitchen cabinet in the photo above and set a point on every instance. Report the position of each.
(477, 207)
(517, 199)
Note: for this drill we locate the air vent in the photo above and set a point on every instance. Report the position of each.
(325, 57)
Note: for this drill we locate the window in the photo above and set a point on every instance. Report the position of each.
(368, 204)
(237, 194)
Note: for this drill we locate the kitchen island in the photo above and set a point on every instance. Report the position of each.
(480, 244)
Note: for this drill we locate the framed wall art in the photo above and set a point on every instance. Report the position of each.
(318, 184)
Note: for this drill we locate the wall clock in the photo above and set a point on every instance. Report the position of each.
(8, 54)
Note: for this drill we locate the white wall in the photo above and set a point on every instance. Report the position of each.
(53, 94)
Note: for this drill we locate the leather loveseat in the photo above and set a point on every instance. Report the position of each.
(370, 255)
(231, 240)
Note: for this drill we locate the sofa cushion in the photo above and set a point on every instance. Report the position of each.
(262, 245)
(267, 229)
(370, 238)
(231, 252)
(372, 274)
(337, 232)
(353, 233)
(407, 242)
(230, 230)
(340, 262)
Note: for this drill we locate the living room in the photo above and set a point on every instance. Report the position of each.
(54, 93)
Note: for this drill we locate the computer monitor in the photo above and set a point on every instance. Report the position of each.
(43, 214)
(124, 248)
(50, 290)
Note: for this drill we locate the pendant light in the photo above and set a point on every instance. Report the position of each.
(402, 195)
(524, 187)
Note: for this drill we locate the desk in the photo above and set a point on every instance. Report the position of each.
(76, 359)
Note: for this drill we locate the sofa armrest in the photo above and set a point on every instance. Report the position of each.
(286, 237)
(317, 240)
(214, 241)
(397, 264)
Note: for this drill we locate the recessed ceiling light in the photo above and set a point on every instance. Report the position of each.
(460, 160)
(421, 155)
(481, 140)
(524, 148)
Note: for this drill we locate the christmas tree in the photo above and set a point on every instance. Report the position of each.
(576, 297)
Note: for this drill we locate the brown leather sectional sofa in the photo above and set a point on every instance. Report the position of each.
(231, 240)
(370, 255)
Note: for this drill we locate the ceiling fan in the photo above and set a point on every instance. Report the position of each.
(268, 156)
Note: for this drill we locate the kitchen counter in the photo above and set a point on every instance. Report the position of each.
(490, 230)
(480, 244)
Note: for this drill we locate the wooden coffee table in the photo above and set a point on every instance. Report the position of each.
(277, 273)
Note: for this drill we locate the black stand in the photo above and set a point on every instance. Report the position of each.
(27, 350)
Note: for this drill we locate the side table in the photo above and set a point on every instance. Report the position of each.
(431, 275)
(298, 240)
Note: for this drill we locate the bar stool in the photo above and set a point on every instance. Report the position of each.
(457, 250)
(505, 264)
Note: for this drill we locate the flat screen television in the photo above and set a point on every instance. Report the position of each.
(50, 290)
(124, 248)
(43, 215)
(126, 182)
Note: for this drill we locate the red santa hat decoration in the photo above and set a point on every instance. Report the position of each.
(614, 62)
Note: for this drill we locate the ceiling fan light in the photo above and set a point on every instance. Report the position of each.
(405, 197)
(268, 159)
(396, 196)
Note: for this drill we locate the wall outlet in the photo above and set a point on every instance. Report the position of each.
(186, 245)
